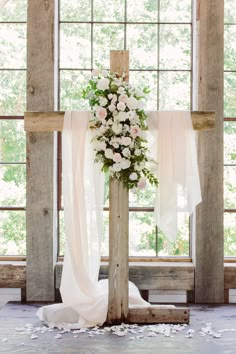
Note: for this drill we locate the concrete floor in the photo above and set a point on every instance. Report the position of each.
(206, 321)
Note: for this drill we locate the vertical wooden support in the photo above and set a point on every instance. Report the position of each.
(118, 228)
(39, 196)
(209, 252)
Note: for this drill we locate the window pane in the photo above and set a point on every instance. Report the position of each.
(229, 92)
(230, 234)
(12, 92)
(142, 234)
(230, 11)
(178, 248)
(106, 38)
(12, 141)
(109, 10)
(12, 185)
(75, 10)
(142, 198)
(12, 46)
(144, 11)
(75, 50)
(230, 143)
(14, 11)
(142, 44)
(12, 233)
(141, 79)
(230, 47)
(175, 11)
(72, 83)
(230, 187)
(174, 91)
(175, 47)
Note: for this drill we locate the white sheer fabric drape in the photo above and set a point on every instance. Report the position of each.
(174, 148)
(85, 300)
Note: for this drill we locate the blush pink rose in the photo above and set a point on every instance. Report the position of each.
(117, 157)
(135, 131)
(101, 113)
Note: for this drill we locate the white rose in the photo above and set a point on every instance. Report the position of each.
(114, 99)
(133, 176)
(126, 140)
(117, 128)
(125, 164)
(132, 103)
(103, 101)
(109, 154)
(104, 73)
(126, 152)
(103, 84)
(123, 98)
(122, 116)
(121, 106)
(116, 167)
(111, 107)
(110, 96)
(99, 145)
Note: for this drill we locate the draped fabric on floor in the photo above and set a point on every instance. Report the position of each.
(85, 299)
(173, 146)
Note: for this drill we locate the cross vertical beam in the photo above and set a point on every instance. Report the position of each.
(118, 226)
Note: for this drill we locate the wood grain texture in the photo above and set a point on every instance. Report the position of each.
(118, 295)
(209, 253)
(118, 252)
(39, 193)
(53, 121)
(12, 276)
(230, 277)
(146, 277)
(158, 314)
(119, 62)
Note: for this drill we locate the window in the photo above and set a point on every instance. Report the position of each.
(12, 136)
(158, 34)
(230, 130)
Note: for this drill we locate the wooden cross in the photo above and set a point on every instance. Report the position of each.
(118, 308)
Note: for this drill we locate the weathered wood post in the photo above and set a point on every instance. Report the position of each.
(118, 226)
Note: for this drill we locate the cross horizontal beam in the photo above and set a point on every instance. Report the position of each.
(53, 121)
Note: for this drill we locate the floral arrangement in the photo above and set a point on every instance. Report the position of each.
(119, 137)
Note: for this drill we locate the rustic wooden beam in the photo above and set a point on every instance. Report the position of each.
(159, 276)
(118, 298)
(12, 276)
(158, 314)
(208, 95)
(53, 121)
(40, 243)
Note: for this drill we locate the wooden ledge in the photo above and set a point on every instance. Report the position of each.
(158, 314)
(53, 121)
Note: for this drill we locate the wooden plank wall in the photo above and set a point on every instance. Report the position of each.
(209, 252)
(41, 247)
